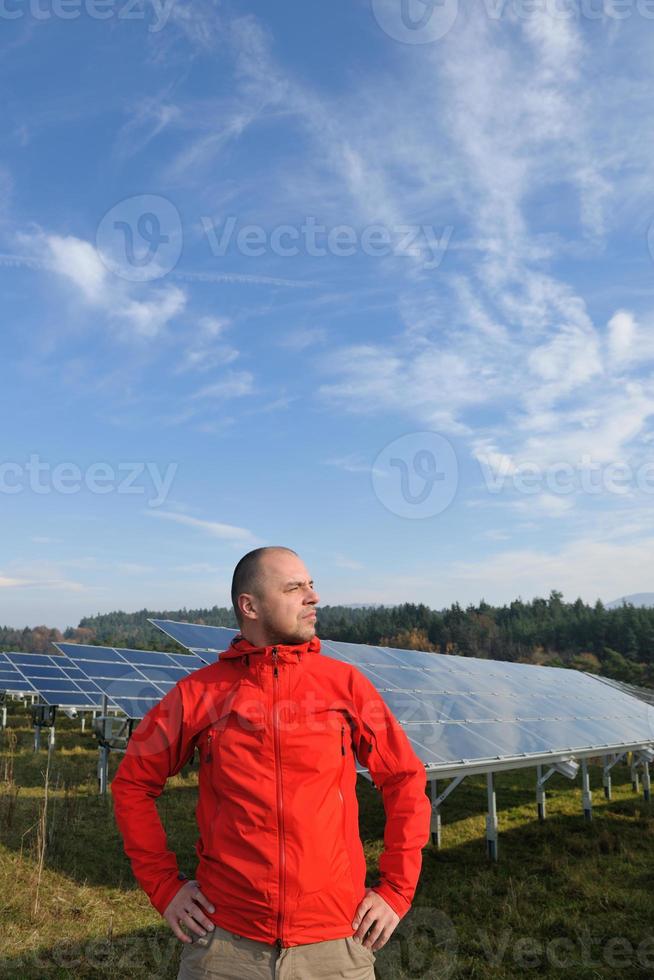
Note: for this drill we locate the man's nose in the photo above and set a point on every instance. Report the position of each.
(313, 597)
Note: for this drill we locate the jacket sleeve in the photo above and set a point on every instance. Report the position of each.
(382, 746)
(160, 745)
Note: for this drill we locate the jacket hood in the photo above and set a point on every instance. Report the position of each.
(240, 647)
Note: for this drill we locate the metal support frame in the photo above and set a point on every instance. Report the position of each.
(606, 773)
(642, 760)
(43, 716)
(491, 819)
(541, 795)
(436, 804)
(586, 795)
(114, 733)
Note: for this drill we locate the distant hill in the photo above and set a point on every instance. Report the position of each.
(636, 599)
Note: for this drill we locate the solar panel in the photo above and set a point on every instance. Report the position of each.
(11, 679)
(643, 693)
(459, 712)
(197, 637)
(132, 680)
(57, 681)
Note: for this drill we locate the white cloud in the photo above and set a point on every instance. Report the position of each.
(205, 352)
(236, 384)
(342, 561)
(146, 318)
(588, 567)
(79, 262)
(303, 339)
(214, 529)
(138, 310)
(11, 583)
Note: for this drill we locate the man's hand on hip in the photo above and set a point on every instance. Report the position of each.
(375, 917)
(186, 909)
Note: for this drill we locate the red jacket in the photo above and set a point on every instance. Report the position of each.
(280, 857)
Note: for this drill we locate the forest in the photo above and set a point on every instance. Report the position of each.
(616, 642)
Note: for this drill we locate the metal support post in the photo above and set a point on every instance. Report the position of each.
(4, 716)
(83, 722)
(541, 796)
(491, 819)
(51, 738)
(634, 774)
(587, 798)
(37, 738)
(103, 769)
(646, 782)
(606, 778)
(435, 814)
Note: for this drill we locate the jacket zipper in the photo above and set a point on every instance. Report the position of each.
(280, 804)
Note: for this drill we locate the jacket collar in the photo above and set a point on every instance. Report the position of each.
(240, 647)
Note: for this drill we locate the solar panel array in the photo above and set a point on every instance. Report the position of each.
(55, 680)
(132, 680)
(462, 710)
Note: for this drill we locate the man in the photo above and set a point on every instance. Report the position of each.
(280, 887)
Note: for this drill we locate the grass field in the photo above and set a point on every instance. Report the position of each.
(568, 898)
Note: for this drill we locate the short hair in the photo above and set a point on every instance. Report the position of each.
(246, 576)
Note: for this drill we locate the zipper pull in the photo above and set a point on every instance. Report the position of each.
(342, 739)
(208, 757)
(275, 671)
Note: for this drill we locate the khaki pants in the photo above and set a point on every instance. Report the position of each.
(222, 955)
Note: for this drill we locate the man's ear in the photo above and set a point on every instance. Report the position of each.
(246, 605)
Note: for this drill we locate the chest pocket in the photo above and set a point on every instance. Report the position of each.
(237, 734)
(320, 742)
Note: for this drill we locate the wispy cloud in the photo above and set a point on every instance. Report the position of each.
(236, 384)
(303, 338)
(208, 350)
(80, 264)
(214, 529)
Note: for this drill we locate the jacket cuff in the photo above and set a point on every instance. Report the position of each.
(164, 893)
(399, 905)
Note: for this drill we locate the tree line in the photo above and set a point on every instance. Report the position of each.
(617, 642)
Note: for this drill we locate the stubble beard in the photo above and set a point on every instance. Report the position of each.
(302, 633)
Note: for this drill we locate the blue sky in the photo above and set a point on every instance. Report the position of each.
(369, 279)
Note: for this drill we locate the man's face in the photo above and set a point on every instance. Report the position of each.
(286, 600)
